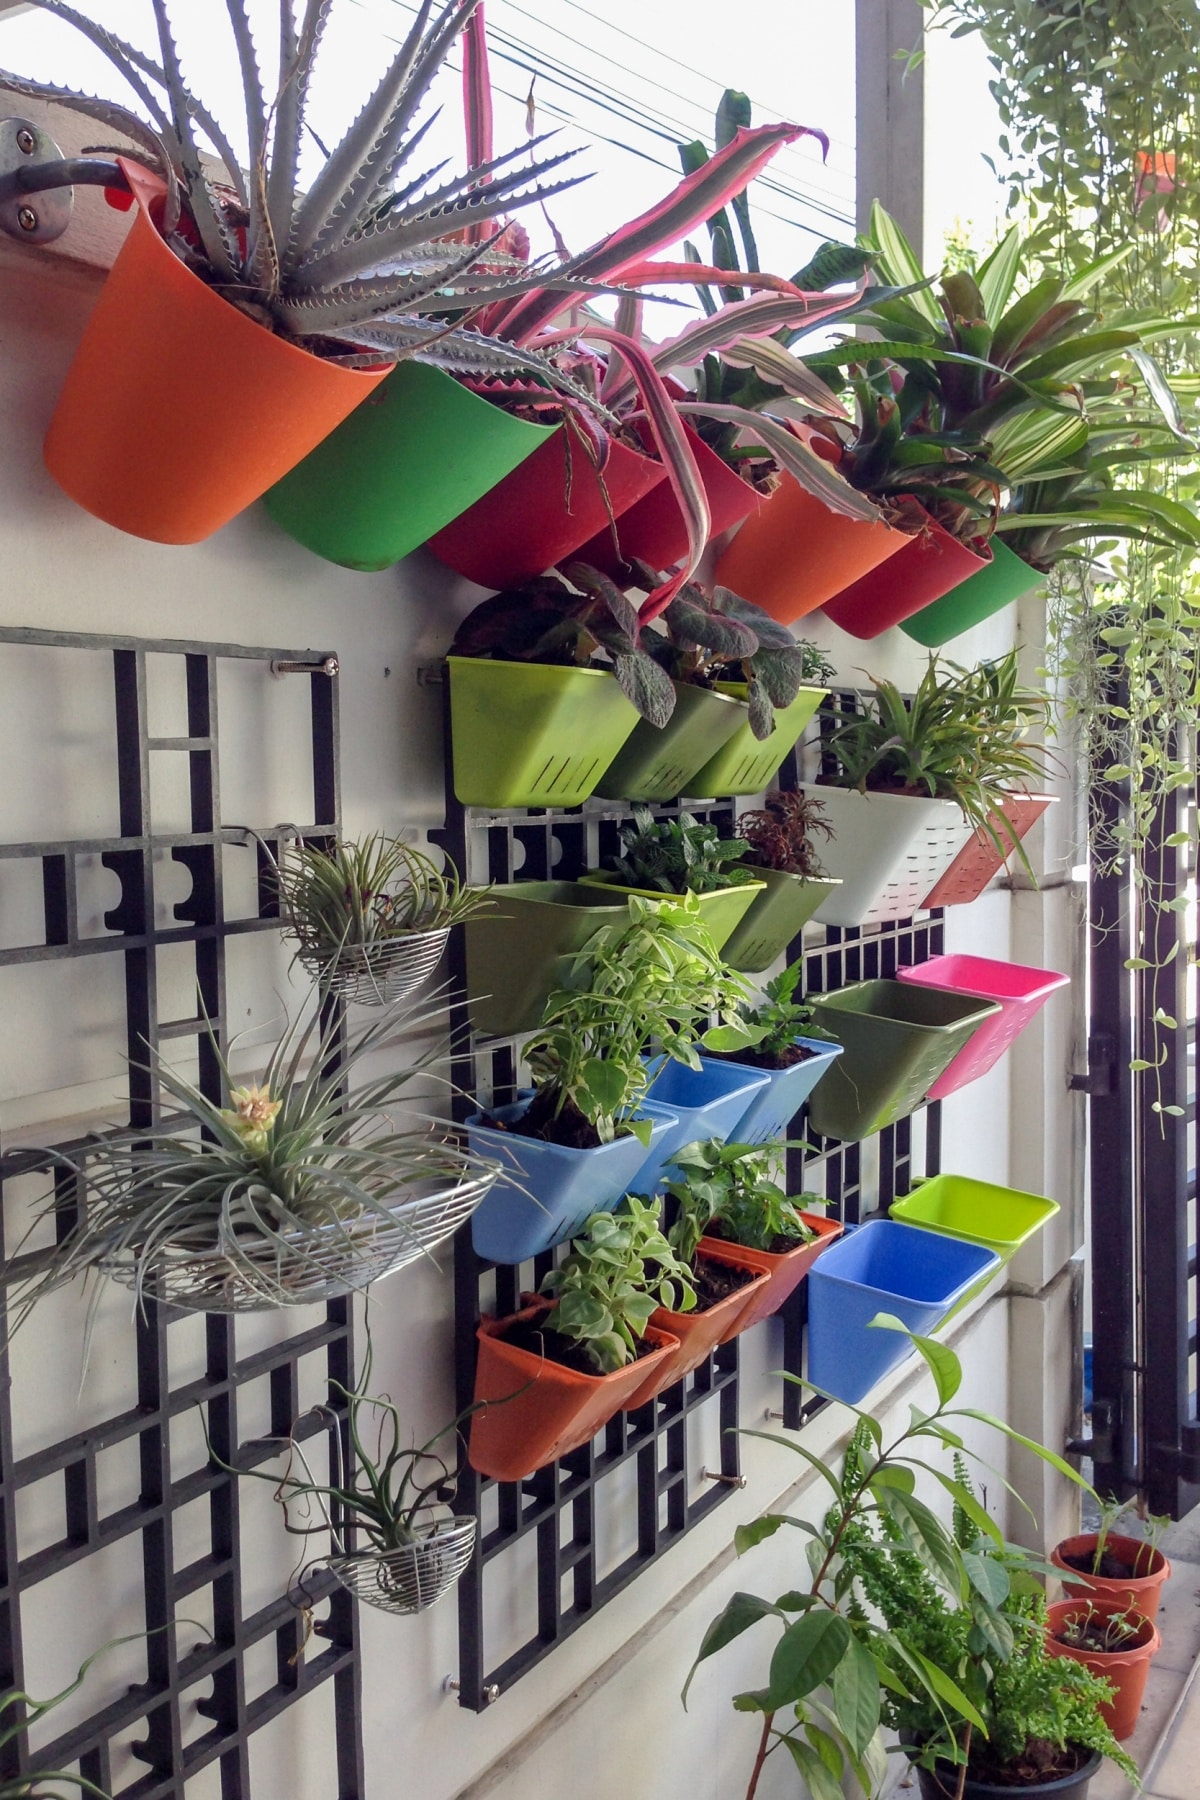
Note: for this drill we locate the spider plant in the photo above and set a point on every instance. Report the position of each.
(292, 1189)
(962, 737)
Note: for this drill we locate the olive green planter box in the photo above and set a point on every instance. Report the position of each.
(532, 734)
(721, 910)
(414, 455)
(892, 1052)
(988, 591)
(775, 918)
(658, 762)
(515, 949)
(745, 765)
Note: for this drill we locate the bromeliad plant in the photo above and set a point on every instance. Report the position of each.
(293, 1190)
(729, 1191)
(652, 983)
(965, 1664)
(615, 1276)
(677, 856)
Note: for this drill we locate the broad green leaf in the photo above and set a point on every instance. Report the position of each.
(1039, 1450)
(740, 1612)
(758, 1530)
(987, 1576)
(806, 1655)
(925, 1534)
(856, 1696)
(817, 1778)
(944, 1366)
(1082, 284)
(964, 1498)
(937, 1683)
(893, 1475)
(898, 262)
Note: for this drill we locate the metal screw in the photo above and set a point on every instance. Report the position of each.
(491, 1692)
(737, 1481)
(327, 665)
(772, 1414)
(26, 142)
(27, 219)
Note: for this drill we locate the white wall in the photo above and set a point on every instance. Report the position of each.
(606, 1701)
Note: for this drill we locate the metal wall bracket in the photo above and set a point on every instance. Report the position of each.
(1099, 1079)
(34, 207)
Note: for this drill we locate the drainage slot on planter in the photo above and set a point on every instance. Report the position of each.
(531, 734)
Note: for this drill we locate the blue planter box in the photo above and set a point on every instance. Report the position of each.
(775, 1105)
(548, 1190)
(883, 1267)
(707, 1103)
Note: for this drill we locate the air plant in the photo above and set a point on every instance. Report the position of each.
(396, 1494)
(292, 1190)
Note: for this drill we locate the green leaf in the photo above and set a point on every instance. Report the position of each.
(987, 1576)
(817, 1777)
(806, 1656)
(747, 1536)
(740, 1612)
(856, 1696)
(997, 274)
(944, 1366)
(898, 263)
(925, 1534)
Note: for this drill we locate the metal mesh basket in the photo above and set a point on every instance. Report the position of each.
(411, 1579)
(378, 974)
(258, 1274)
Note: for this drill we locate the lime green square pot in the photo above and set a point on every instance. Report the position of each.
(778, 915)
(721, 909)
(530, 734)
(988, 591)
(415, 454)
(978, 1212)
(745, 764)
(515, 949)
(657, 763)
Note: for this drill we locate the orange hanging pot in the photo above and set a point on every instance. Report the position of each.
(794, 553)
(178, 410)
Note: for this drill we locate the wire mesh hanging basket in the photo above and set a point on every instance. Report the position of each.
(412, 1578)
(257, 1274)
(381, 973)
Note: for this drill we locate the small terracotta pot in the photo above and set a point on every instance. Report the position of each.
(794, 554)
(179, 410)
(540, 514)
(548, 1410)
(697, 1334)
(1126, 1669)
(785, 1272)
(653, 530)
(1141, 1592)
(928, 566)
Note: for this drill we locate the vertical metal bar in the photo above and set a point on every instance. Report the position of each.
(890, 114)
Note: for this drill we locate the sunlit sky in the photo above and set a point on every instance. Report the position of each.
(623, 80)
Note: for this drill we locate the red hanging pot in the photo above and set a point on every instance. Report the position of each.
(928, 566)
(653, 530)
(540, 514)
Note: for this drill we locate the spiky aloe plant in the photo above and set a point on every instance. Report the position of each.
(293, 1185)
(367, 265)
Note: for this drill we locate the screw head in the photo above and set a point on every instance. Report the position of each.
(26, 142)
(27, 219)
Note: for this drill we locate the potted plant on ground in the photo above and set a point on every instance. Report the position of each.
(682, 856)
(744, 691)
(277, 309)
(1109, 1565)
(293, 1193)
(372, 915)
(784, 835)
(397, 1496)
(792, 1051)
(912, 780)
(535, 715)
(1116, 1643)
(907, 1623)
(650, 980)
(747, 1207)
(567, 1362)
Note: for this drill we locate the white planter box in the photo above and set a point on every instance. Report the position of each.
(888, 851)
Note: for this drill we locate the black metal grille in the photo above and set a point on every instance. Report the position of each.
(149, 1742)
(545, 1535)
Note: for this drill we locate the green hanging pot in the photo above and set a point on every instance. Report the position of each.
(990, 589)
(776, 917)
(746, 764)
(422, 450)
(720, 908)
(532, 734)
(515, 948)
(657, 763)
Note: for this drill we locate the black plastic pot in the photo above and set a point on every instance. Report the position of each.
(1067, 1787)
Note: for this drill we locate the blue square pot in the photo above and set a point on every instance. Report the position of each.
(883, 1267)
(775, 1105)
(707, 1103)
(548, 1190)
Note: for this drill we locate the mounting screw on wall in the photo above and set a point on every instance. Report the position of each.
(47, 175)
(491, 1692)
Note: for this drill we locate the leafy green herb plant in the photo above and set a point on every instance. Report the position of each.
(615, 1276)
(777, 1019)
(729, 1191)
(678, 856)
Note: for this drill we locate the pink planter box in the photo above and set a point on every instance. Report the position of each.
(1020, 992)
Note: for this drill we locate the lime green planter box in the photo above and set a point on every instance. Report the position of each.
(745, 765)
(721, 909)
(412, 457)
(893, 1050)
(657, 763)
(775, 918)
(531, 734)
(978, 1212)
(986, 592)
(515, 949)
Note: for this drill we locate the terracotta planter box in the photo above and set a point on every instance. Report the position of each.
(697, 1334)
(784, 1272)
(1141, 1592)
(1126, 1668)
(794, 554)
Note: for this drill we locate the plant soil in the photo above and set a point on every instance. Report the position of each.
(1041, 1761)
(1112, 1567)
(527, 1334)
(568, 1128)
(715, 1281)
(1097, 1639)
(765, 1059)
(780, 1245)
